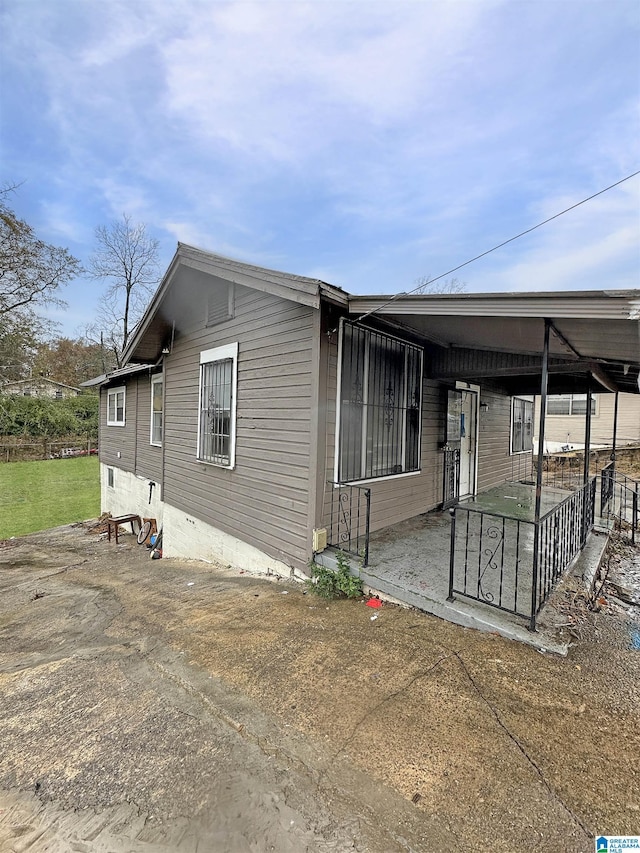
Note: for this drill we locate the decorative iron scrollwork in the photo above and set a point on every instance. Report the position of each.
(493, 532)
(389, 398)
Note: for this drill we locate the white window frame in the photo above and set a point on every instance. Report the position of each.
(337, 451)
(121, 389)
(570, 398)
(513, 405)
(157, 379)
(223, 353)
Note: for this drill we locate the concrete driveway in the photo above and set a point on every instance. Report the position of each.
(175, 706)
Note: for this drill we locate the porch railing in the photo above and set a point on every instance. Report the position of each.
(493, 556)
(607, 480)
(350, 514)
(562, 534)
(620, 502)
(451, 476)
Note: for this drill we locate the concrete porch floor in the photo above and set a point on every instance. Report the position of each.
(409, 564)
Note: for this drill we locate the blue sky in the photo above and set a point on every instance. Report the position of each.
(368, 144)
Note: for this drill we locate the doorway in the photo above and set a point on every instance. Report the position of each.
(468, 442)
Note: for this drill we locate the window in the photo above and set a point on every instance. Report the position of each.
(521, 425)
(115, 406)
(380, 401)
(569, 404)
(157, 407)
(217, 416)
(110, 477)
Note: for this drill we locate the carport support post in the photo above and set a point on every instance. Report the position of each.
(544, 383)
(615, 431)
(585, 469)
(587, 439)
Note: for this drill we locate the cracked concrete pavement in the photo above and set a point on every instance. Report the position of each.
(178, 706)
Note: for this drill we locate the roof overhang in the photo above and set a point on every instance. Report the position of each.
(189, 265)
(117, 375)
(594, 340)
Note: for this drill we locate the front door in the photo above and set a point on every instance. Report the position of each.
(468, 442)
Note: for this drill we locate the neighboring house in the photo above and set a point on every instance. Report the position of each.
(249, 394)
(565, 423)
(40, 386)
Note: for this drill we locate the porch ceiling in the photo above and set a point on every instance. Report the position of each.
(595, 338)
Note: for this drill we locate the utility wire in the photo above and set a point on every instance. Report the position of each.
(499, 246)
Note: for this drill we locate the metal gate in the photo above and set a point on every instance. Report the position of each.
(451, 486)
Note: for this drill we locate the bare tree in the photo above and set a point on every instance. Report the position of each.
(448, 285)
(126, 257)
(31, 271)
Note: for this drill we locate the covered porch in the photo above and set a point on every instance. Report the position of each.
(473, 564)
(493, 559)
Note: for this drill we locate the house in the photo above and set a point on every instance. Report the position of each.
(262, 415)
(40, 386)
(565, 424)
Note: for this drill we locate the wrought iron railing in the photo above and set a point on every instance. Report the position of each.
(451, 476)
(620, 502)
(350, 513)
(491, 559)
(511, 563)
(562, 534)
(607, 480)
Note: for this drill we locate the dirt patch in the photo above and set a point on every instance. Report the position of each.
(158, 705)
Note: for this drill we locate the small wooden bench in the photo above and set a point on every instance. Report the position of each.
(114, 523)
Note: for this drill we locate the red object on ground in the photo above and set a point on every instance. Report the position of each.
(374, 602)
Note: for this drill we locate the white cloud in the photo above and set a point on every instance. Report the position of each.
(370, 142)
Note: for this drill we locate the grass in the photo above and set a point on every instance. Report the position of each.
(39, 495)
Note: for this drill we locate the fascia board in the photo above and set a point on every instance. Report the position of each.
(599, 307)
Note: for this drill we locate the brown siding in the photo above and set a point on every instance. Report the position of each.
(264, 499)
(137, 455)
(149, 456)
(496, 463)
(119, 439)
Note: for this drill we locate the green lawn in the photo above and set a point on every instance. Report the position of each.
(38, 495)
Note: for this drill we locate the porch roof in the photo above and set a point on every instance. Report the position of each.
(595, 340)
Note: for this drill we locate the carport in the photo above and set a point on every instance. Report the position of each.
(533, 344)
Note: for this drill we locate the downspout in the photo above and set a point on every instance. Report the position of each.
(544, 383)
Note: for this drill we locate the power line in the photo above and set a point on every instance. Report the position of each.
(500, 245)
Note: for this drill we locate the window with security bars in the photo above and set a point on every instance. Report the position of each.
(522, 426)
(380, 405)
(216, 423)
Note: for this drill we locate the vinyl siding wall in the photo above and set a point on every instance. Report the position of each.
(118, 443)
(569, 429)
(395, 499)
(496, 463)
(137, 455)
(149, 461)
(264, 499)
